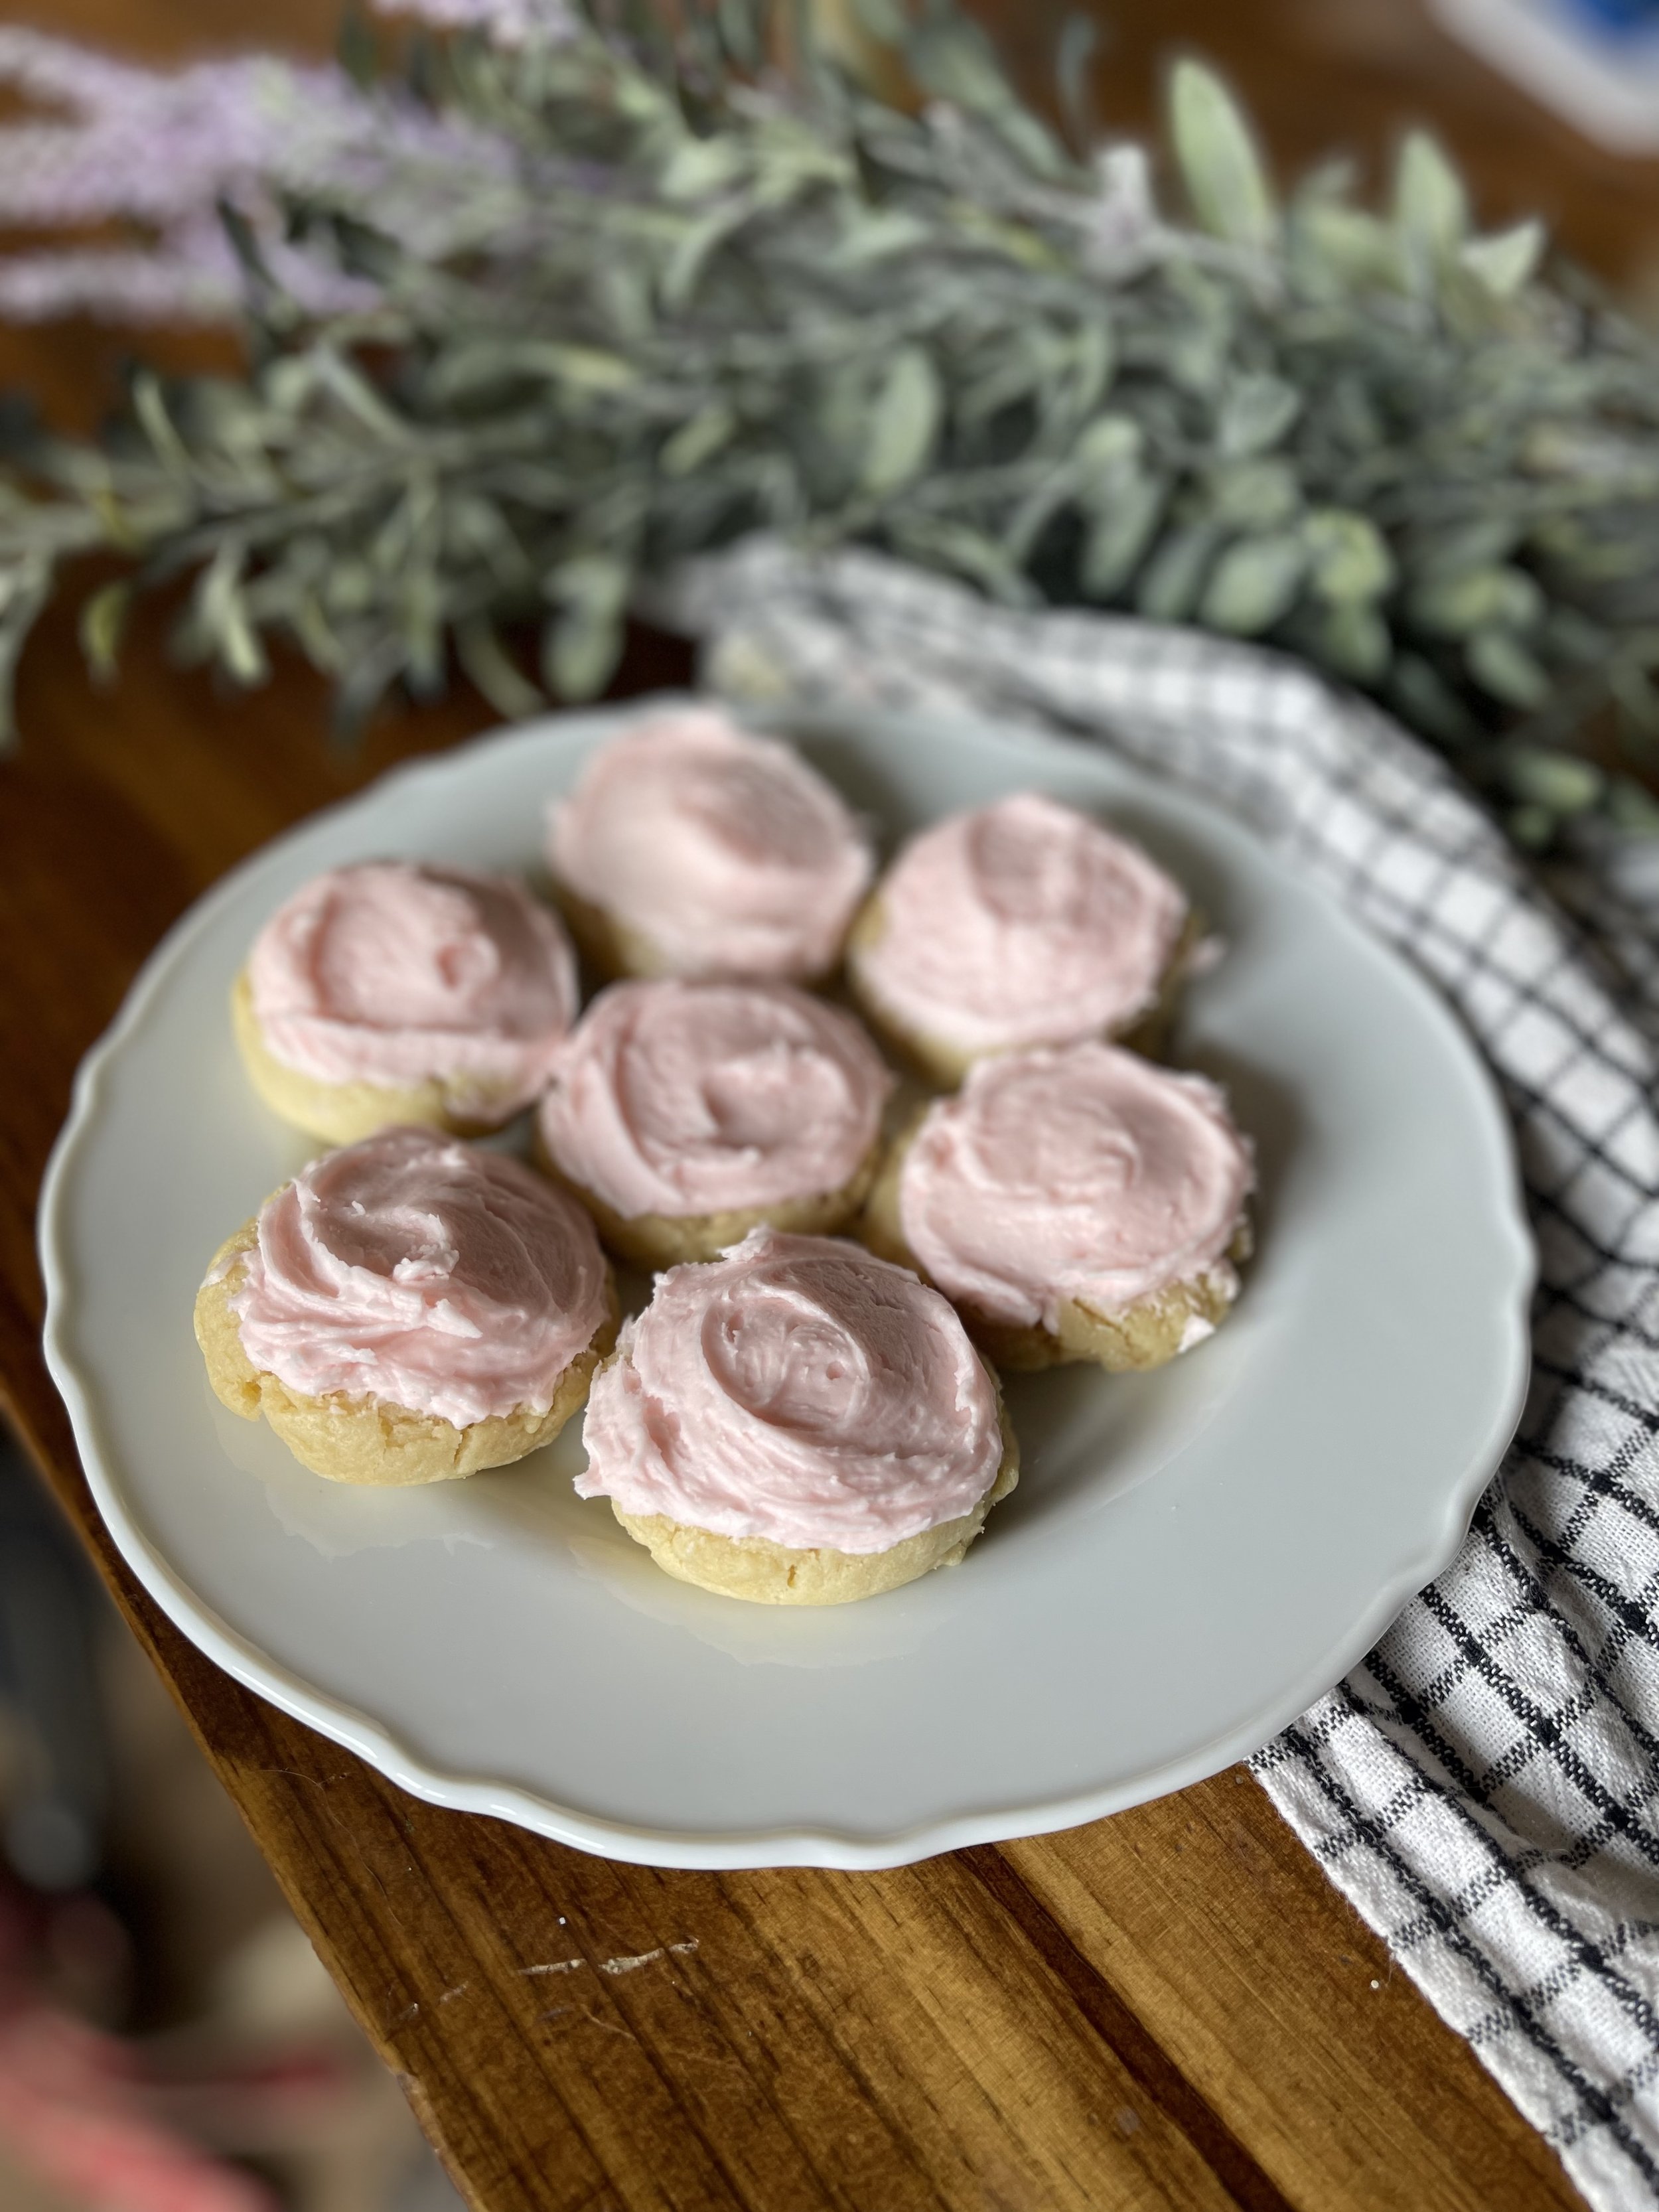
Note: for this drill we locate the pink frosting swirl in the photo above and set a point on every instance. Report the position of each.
(725, 851)
(416, 1269)
(800, 1389)
(1084, 1173)
(393, 974)
(682, 1099)
(1022, 922)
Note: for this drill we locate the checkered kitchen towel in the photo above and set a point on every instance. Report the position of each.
(1484, 1786)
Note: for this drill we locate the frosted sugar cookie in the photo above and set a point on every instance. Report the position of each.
(407, 1310)
(1020, 923)
(391, 993)
(682, 1114)
(798, 1424)
(689, 847)
(1077, 1204)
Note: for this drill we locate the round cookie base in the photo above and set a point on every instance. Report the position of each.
(945, 1064)
(343, 1112)
(762, 1572)
(614, 949)
(371, 1441)
(1148, 1334)
(657, 1241)
(609, 946)
(1138, 1337)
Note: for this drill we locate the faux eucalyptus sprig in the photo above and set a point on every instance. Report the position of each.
(605, 296)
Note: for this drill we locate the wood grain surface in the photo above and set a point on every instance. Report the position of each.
(1173, 2008)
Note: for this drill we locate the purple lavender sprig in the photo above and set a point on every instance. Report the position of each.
(152, 155)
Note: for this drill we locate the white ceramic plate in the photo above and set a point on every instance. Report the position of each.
(1190, 1559)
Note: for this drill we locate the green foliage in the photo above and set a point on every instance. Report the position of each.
(702, 298)
(1220, 166)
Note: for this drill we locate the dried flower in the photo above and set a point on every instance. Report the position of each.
(503, 22)
(601, 301)
(165, 152)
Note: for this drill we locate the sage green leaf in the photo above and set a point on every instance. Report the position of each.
(347, 382)
(1468, 308)
(150, 405)
(103, 620)
(873, 234)
(964, 551)
(699, 439)
(699, 167)
(904, 423)
(592, 580)
(696, 249)
(1588, 451)
(1502, 665)
(1631, 807)
(1352, 641)
(349, 587)
(475, 524)
(580, 648)
(219, 609)
(24, 580)
(1075, 51)
(1431, 208)
(952, 59)
(1256, 411)
(1107, 446)
(1508, 260)
(1255, 496)
(1483, 544)
(641, 98)
(316, 638)
(1479, 599)
(1330, 183)
(1255, 583)
(882, 18)
(420, 613)
(1563, 782)
(1220, 167)
(1427, 701)
(588, 369)
(1347, 248)
(1122, 526)
(473, 368)
(1348, 558)
(741, 31)
(1172, 581)
(485, 660)
(1092, 360)
(841, 431)
(1568, 635)
(1032, 517)
(1534, 828)
(1636, 695)
(583, 642)
(354, 47)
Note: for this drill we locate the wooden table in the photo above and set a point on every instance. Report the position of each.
(1172, 2008)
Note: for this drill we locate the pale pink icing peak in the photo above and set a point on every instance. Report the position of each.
(800, 1390)
(392, 973)
(429, 1274)
(724, 850)
(1084, 1173)
(1022, 922)
(684, 1098)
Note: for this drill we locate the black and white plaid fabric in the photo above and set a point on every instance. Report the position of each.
(1485, 1786)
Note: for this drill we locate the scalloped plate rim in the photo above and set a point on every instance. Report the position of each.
(820, 1845)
